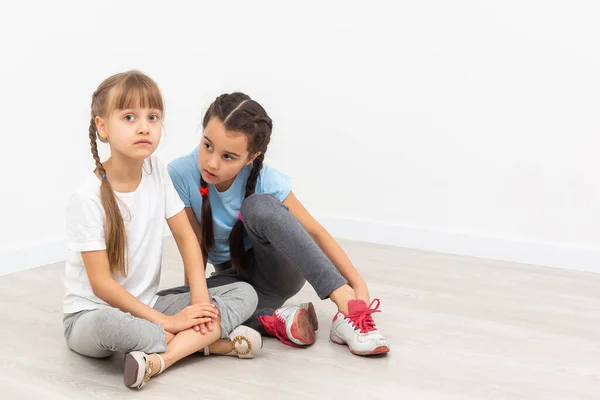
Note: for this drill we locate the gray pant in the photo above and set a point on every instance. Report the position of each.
(98, 333)
(284, 257)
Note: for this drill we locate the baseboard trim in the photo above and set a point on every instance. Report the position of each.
(579, 258)
(548, 254)
(15, 260)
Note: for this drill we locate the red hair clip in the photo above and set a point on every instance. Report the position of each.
(204, 191)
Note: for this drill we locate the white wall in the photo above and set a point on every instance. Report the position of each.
(462, 126)
(54, 55)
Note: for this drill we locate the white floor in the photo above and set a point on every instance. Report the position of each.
(460, 328)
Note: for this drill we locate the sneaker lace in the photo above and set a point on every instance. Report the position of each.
(363, 319)
(275, 326)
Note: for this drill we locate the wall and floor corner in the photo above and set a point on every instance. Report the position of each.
(465, 128)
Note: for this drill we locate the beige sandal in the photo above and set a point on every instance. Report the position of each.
(138, 369)
(246, 341)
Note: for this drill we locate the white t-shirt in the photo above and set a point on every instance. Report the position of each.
(144, 211)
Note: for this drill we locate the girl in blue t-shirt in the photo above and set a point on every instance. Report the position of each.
(252, 228)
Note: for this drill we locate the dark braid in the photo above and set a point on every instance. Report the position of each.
(253, 178)
(239, 113)
(206, 226)
(239, 256)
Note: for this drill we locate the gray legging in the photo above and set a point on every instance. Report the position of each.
(98, 333)
(284, 258)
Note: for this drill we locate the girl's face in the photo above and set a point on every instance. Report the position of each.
(222, 154)
(133, 132)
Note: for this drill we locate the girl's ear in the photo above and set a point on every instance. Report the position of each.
(251, 159)
(101, 128)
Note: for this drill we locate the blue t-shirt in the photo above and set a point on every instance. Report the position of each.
(225, 206)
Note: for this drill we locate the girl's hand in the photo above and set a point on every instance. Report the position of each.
(195, 315)
(202, 328)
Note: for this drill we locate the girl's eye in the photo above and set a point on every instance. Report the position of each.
(129, 117)
(207, 146)
(228, 157)
(153, 117)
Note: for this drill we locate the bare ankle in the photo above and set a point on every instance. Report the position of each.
(221, 347)
(341, 296)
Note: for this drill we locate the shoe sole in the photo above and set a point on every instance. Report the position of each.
(302, 329)
(312, 316)
(374, 352)
(133, 375)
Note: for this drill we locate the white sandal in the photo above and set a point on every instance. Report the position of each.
(246, 341)
(137, 370)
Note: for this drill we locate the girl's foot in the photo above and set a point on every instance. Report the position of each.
(138, 369)
(245, 342)
(357, 329)
(292, 325)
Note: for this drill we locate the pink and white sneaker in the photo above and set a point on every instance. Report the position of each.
(357, 330)
(292, 325)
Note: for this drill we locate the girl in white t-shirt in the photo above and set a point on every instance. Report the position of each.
(115, 224)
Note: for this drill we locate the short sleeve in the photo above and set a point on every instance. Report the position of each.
(85, 224)
(180, 186)
(173, 203)
(275, 183)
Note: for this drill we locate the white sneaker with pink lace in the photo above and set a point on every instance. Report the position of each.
(357, 330)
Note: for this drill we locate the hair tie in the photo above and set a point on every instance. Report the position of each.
(204, 191)
(240, 216)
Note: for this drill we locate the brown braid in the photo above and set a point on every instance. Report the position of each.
(239, 113)
(114, 226)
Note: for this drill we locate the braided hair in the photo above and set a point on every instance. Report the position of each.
(240, 113)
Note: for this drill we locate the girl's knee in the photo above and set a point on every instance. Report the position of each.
(259, 207)
(248, 296)
(236, 301)
(92, 352)
(115, 330)
(91, 334)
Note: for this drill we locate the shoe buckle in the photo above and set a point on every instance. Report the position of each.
(240, 339)
(148, 373)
